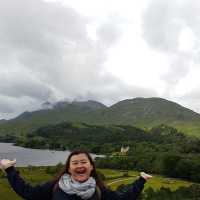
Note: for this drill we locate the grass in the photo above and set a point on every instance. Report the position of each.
(156, 182)
(35, 175)
(32, 175)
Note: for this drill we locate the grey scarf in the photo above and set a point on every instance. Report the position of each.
(85, 190)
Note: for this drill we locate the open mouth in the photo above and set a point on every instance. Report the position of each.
(81, 171)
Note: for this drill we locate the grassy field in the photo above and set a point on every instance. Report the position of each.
(31, 175)
(114, 178)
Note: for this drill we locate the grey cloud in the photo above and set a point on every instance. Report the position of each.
(163, 23)
(179, 69)
(193, 95)
(12, 106)
(164, 20)
(108, 32)
(4, 106)
(20, 85)
(38, 33)
(46, 53)
(34, 25)
(191, 98)
(113, 91)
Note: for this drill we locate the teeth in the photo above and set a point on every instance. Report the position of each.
(81, 172)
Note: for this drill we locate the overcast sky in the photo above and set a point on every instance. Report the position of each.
(106, 50)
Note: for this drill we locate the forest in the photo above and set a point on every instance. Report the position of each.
(161, 150)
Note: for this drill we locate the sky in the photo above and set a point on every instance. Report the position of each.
(107, 51)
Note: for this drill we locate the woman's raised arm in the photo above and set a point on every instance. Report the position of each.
(22, 188)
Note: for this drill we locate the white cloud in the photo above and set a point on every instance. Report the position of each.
(100, 50)
(47, 54)
(186, 40)
(172, 27)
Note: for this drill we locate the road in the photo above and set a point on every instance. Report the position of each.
(119, 180)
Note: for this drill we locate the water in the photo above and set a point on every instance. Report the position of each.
(34, 157)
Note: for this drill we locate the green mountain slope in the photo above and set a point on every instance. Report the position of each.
(61, 111)
(142, 112)
(148, 112)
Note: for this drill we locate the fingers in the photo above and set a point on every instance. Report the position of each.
(5, 163)
(2, 164)
(13, 162)
(145, 175)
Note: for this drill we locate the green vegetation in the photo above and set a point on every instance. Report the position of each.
(36, 175)
(161, 150)
(144, 113)
(160, 142)
(33, 175)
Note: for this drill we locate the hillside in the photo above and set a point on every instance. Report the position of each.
(59, 112)
(142, 112)
(149, 112)
(162, 150)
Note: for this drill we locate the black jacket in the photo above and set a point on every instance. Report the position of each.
(45, 191)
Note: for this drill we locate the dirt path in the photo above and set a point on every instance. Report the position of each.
(119, 180)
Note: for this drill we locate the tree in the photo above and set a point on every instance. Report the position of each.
(169, 164)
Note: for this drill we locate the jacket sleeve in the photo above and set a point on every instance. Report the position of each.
(134, 191)
(27, 191)
(131, 194)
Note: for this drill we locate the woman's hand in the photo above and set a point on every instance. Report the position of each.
(5, 163)
(145, 176)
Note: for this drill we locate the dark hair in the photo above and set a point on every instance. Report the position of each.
(94, 174)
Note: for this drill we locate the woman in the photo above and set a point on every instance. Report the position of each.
(78, 181)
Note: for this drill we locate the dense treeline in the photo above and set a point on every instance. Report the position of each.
(161, 150)
(167, 164)
(183, 193)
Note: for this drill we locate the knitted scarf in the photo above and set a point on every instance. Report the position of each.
(85, 190)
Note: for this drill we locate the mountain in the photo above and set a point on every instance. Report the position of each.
(92, 105)
(149, 110)
(58, 112)
(141, 112)
(47, 105)
(2, 120)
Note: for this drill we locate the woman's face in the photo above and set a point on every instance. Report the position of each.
(80, 167)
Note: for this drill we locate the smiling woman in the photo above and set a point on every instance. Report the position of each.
(80, 167)
(77, 181)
